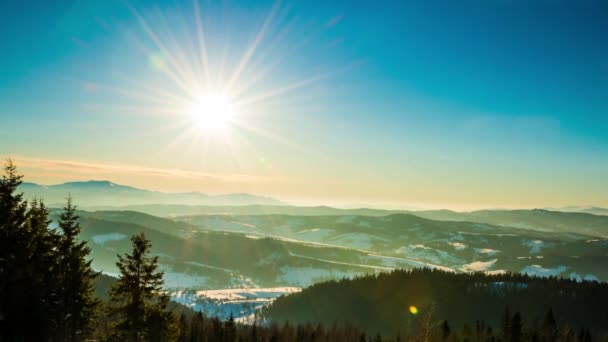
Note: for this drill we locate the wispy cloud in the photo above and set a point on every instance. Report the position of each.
(93, 170)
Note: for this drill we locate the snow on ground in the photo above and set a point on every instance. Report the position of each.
(217, 223)
(530, 257)
(198, 264)
(315, 234)
(478, 266)
(306, 276)
(535, 245)
(540, 271)
(496, 272)
(426, 253)
(394, 262)
(175, 280)
(242, 303)
(356, 240)
(374, 267)
(488, 251)
(579, 278)
(601, 242)
(250, 293)
(102, 239)
(590, 277)
(458, 245)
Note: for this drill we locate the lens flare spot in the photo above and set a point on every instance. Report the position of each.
(156, 61)
(413, 310)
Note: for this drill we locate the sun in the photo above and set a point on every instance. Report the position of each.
(213, 111)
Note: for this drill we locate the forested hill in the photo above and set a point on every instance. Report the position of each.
(380, 303)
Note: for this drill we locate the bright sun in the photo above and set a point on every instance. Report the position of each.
(213, 111)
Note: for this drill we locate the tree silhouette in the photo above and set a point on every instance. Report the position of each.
(138, 302)
(516, 327)
(77, 303)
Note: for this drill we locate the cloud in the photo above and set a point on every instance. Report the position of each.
(90, 170)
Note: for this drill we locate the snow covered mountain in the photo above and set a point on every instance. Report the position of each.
(218, 252)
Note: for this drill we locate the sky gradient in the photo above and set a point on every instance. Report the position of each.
(413, 104)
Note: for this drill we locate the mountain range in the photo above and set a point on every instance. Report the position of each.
(105, 193)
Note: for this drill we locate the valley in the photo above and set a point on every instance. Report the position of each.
(204, 253)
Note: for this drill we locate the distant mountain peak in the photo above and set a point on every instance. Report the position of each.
(105, 192)
(96, 184)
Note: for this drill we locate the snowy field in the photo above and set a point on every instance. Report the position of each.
(241, 303)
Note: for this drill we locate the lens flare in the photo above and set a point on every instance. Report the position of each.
(413, 310)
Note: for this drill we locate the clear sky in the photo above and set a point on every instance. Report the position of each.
(457, 104)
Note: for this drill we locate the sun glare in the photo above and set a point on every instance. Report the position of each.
(213, 111)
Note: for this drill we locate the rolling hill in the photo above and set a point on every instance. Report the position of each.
(379, 303)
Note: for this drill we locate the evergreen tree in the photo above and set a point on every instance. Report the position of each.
(445, 330)
(13, 217)
(184, 329)
(506, 325)
(137, 299)
(197, 328)
(77, 302)
(230, 329)
(549, 327)
(27, 260)
(40, 270)
(516, 328)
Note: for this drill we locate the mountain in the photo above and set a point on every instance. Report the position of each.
(276, 253)
(221, 251)
(382, 303)
(536, 219)
(175, 210)
(406, 240)
(105, 193)
(584, 209)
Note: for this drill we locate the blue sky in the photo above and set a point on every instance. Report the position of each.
(414, 103)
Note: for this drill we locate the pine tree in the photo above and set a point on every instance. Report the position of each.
(549, 328)
(197, 328)
(40, 270)
(445, 330)
(77, 302)
(506, 325)
(230, 329)
(27, 260)
(13, 217)
(516, 328)
(184, 329)
(138, 302)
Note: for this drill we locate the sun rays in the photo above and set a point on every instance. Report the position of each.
(214, 101)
